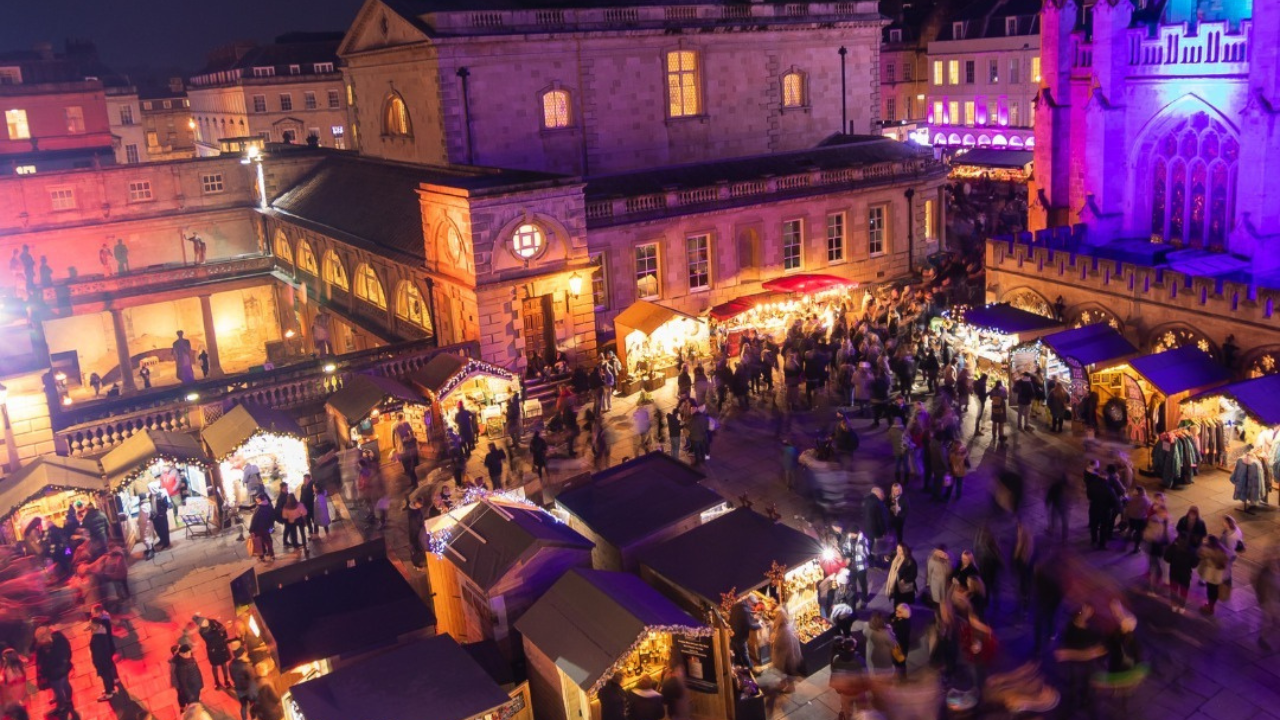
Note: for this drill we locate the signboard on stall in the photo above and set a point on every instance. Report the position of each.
(1079, 379)
(699, 661)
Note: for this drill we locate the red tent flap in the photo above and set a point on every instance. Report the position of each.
(807, 283)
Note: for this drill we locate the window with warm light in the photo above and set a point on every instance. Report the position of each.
(792, 245)
(683, 90)
(555, 109)
(282, 248)
(835, 237)
(968, 112)
(647, 286)
(953, 112)
(410, 307)
(16, 121)
(528, 241)
(937, 112)
(369, 287)
(876, 229)
(307, 258)
(698, 258)
(395, 117)
(953, 72)
(75, 119)
(793, 91)
(599, 283)
(937, 72)
(334, 272)
(1035, 69)
(930, 231)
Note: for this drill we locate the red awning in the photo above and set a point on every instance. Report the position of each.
(737, 306)
(807, 283)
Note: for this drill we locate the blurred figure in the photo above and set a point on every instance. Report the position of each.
(13, 680)
(53, 670)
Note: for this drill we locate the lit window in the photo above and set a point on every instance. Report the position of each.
(527, 241)
(322, 68)
(937, 72)
(993, 72)
(835, 237)
(930, 232)
(698, 257)
(334, 272)
(62, 199)
(211, 184)
(16, 120)
(309, 100)
(953, 72)
(937, 112)
(335, 99)
(793, 94)
(395, 117)
(953, 112)
(875, 230)
(599, 283)
(968, 112)
(410, 307)
(139, 190)
(555, 109)
(307, 258)
(647, 271)
(682, 83)
(286, 102)
(791, 245)
(282, 248)
(259, 103)
(1035, 69)
(369, 287)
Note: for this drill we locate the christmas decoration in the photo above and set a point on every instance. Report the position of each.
(626, 658)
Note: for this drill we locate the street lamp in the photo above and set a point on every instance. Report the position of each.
(575, 285)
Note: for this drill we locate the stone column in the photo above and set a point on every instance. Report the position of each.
(127, 384)
(210, 337)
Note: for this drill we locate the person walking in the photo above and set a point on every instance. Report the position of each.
(323, 515)
(699, 433)
(999, 410)
(857, 552)
(898, 512)
(1103, 504)
(938, 572)
(466, 423)
(1024, 391)
(642, 419)
(875, 523)
(785, 654)
(102, 650)
(13, 680)
(1212, 569)
(295, 523)
(216, 650)
(53, 670)
(1135, 514)
(261, 524)
(1055, 502)
(899, 442)
(900, 585)
(494, 461)
(674, 430)
(980, 392)
(880, 644)
(1182, 560)
(1266, 584)
(242, 681)
(185, 677)
(307, 496)
(538, 452)
(1156, 536)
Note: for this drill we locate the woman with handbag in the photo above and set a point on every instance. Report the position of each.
(900, 586)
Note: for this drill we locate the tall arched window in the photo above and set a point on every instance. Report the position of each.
(369, 287)
(281, 247)
(334, 272)
(410, 306)
(1193, 179)
(307, 258)
(555, 109)
(793, 91)
(395, 117)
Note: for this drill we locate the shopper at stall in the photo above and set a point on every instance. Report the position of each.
(857, 552)
(1182, 559)
(1024, 393)
(13, 680)
(1059, 405)
(242, 679)
(307, 496)
(216, 649)
(900, 585)
(613, 699)
(494, 461)
(743, 622)
(880, 644)
(160, 517)
(185, 677)
(1194, 527)
(784, 650)
(465, 420)
(999, 410)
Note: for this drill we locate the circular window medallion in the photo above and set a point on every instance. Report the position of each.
(528, 241)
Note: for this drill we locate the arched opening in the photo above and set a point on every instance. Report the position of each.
(280, 246)
(793, 90)
(410, 306)
(335, 273)
(999, 141)
(1188, 177)
(395, 117)
(369, 287)
(1169, 337)
(306, 258)
(555, 109)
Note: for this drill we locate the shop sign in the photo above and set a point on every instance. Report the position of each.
(1079, 379)
(1135, 399)
(699, 661)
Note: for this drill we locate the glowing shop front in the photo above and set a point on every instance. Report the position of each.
(1071, 356)
(1239, 424)
(154, 461)
(368, 408)
(256, 448)
(812, 299)
(999, 338)
(482, 387)
(44, 489)
(652, 341)
(1141, 399)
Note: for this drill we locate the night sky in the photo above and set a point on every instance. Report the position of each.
(165, 35)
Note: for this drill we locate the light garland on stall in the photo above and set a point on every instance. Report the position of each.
(156, 459)
(264, 434)
(43, 491)
(473, 367)
(438, 541)
(621, 662)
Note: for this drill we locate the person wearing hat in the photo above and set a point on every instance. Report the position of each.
(53, 669)
(102, 650)
(214, 635)
(184, 676)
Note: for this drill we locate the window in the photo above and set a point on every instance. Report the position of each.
(280, 246)
(993, 72)
(306, 258)
(907, 71)
(992, 115)
(323, 67)
(793, 94)
(953, 112)
(968, 112)
(211, 184)
(62, 198)
(395, 117)
(647, 271)
(698, 258)
(969, 72)
(1013, 114)
(265, 135)
(890, 107)
(153, 140)
(937, 112)
(937, 72)
(555, 109)
(334, 272)
(1193, 179)
(930, 222)
(599, 283)
(339, 136)
(953, 72)
(410, 307)
(25, 170)
(335, 99)
(682, 83)
(295, 69)
(1011, 26)
(369, 287)
(1035, 68)
(309, 100)
(888, 72)
(264, 72)
(1014, 67)
(792, 242)
(259, 103)
(895, 36)
(140, 190)
(875, 230)
(168, 105)
(10, 76)
(528, 241)
(75, 119)
(16, 120)
(957, 31)
(126, 114)
(286, 102)
(835, 237)
(131, 154)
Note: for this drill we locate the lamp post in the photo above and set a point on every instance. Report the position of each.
(11, 454)
(910, 193)
(844, 93)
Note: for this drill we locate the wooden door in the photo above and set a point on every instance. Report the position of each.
(539, 327)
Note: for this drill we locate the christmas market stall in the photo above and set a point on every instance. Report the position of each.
(44, 489)
(1070, 356)
(434, 677)
(1141, 399)
(616, 508)
(772, 567)
(1000, 339)
(994, 164)
(489, 561)
(153, 461)
(1237, 427)
(811, 298)
(653, 340)
(593, 625)
(369, 407)
(256, 448)
(482, 387)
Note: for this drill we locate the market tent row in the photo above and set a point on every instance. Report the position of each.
(993, 334)
(1141, 398)
(484, 388)
(798, 296)
(1238, 420)
(256, 448)
(993, 164)
(366, 409)
(652, 339)
(44, 489)
(592, 624)
(1074, 354)
(153, 460)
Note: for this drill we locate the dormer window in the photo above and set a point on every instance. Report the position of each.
(1011, 26)
(895, 36)
(264, 71)
(957, 30)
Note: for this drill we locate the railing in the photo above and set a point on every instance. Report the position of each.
(1213, 47)
(151, 278)
(597, 18)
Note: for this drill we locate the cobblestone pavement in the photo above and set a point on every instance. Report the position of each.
(1203, 668)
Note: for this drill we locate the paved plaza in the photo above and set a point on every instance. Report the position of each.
(1201, 667)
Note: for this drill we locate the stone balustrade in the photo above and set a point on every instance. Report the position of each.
(569, 19)
(88, 287)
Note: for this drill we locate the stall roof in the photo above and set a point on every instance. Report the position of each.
(696, 561)
(618, 504)
(436, 374)
(1008, 319)
(590, 619)
(141, 448)
(1260, 397)
(806, 283)
(1097, 343)
(986, 157)
(48, 473)
(737, 306)
(434, 677)
(345, 611)
(236, 426)
(512, 534)
(646, 317)
(363, 393)
(1180, 369)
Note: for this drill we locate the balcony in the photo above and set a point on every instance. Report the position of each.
(91, 288)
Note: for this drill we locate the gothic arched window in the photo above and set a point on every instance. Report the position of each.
(1193, 176)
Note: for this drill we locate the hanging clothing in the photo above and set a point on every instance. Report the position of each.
(1247, 478)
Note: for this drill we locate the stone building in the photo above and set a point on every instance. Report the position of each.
(167, 122)
(124, 113)
(904, 67)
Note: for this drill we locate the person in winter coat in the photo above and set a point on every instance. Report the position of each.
(784, 649)
(1182, 560)
(214, 635)
(1194, 527)
(742, 623)
(53, 669)
(875, 520)
(295, 523)
(1102, 507)
(958, 465)
(898, 512)
(307, 496)
(880, 644)
(1059, 404)
(13, 680)
(242, 680)
(266, 701)
(260, 527)
(900, 624)
(1135, 514)
(102, 650)
(185, 677)
(1212, 569)
(900, 585)
(675, 692)
(323, 513)
(146, 530)
(938, 574)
